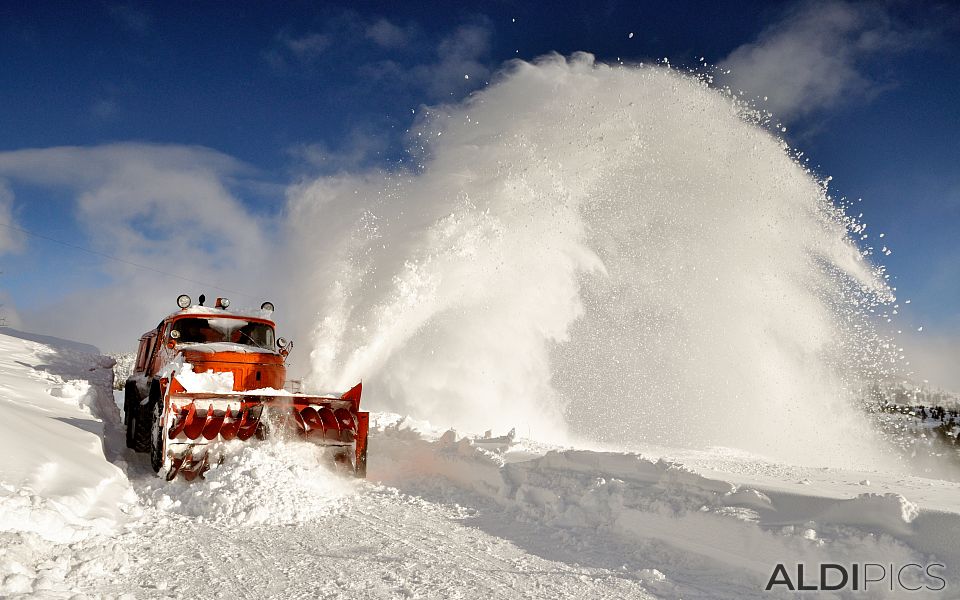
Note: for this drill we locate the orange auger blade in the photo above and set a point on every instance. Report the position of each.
(230, 426)
(175, 465)
(248, 426)
(193, 425)
(331, 428)
(195, 469)
(188, 466)
(302, 427)
(310, 419)
(348, 428)
(212, 426)
(180, 420)
(345, 419)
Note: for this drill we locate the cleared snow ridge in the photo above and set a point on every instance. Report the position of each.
(441, 515)
(55, 403)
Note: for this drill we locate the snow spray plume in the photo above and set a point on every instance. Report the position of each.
(619, 254)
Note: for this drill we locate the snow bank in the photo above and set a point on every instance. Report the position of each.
(58, 491)
(55, 401)
(697, 532)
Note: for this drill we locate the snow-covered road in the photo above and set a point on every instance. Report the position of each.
(377, 544)
(440, 516)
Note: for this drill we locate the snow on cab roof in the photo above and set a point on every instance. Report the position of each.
(222, 313)
(217, 347)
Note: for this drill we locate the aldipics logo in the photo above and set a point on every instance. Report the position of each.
(857, 577)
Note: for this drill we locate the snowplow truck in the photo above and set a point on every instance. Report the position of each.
(207, 375)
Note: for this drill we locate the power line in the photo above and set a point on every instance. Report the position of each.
(122, 260)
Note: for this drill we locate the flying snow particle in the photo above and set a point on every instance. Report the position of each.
(466, 77)
(630, 37)
(920, 328)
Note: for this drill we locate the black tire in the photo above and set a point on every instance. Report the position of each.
(156, 436)
(142, 415)
(131, 404)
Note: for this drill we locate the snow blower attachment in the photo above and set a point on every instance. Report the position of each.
(207, 376)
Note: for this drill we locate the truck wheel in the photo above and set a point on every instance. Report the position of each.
(131, 404)
(156, 436)
(141, 424)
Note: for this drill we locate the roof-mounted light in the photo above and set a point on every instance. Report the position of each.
(223, 302)
(267, 306)
(183, 301)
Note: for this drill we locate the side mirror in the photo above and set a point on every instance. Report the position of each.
(285, 346)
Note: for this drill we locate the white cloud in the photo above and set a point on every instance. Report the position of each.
(166, 208)
(449, 66)
(388, 35)
(459, 55)
(459, 63)
(290, 50)
(816, 56)
(355, 151)
(307, 47)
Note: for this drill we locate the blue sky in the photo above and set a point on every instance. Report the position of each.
(270, 94)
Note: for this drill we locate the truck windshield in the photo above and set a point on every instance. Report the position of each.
(237, 331)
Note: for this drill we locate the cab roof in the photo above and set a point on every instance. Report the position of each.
(212, 312)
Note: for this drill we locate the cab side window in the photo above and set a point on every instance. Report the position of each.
(152, 344)
(142, 354)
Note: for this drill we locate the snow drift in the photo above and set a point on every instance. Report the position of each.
(618, 253)
(56, 482)
(702, 537)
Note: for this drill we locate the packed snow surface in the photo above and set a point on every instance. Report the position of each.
(442, 514)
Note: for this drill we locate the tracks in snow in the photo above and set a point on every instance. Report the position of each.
(379, 543)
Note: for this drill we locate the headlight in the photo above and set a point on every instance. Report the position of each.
(267, 306)
(183, 301)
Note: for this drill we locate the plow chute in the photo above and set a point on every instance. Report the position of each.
(192, 425)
